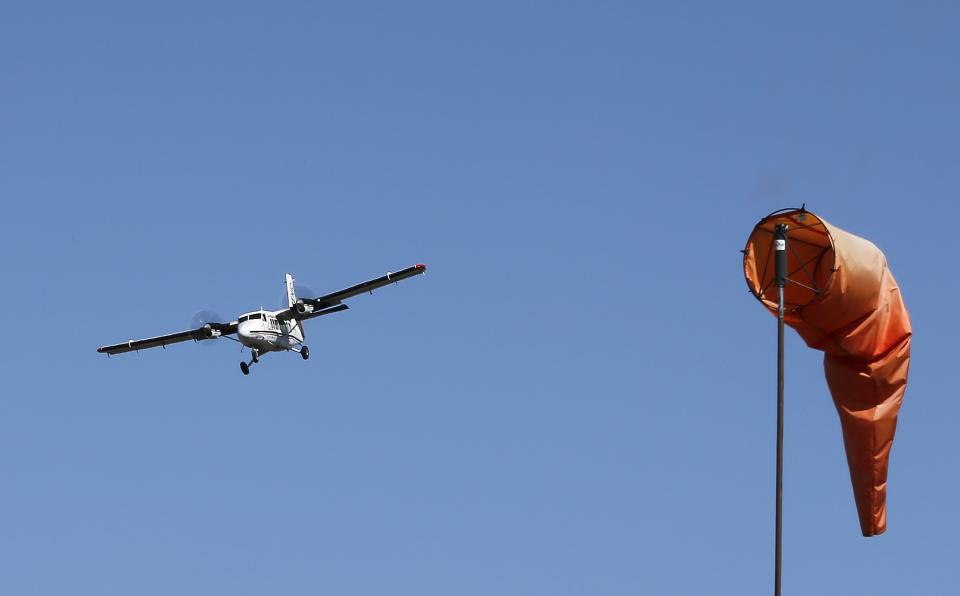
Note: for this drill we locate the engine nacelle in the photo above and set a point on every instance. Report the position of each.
(210, 333)
(303, 308)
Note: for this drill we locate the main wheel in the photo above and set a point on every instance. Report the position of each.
(305, 352)
(245, 368)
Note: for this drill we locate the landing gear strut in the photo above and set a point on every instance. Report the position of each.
(304, 352)
(245, 367)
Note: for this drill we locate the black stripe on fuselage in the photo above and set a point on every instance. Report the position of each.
(270, 331)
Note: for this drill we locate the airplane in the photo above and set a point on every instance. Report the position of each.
(266, 331)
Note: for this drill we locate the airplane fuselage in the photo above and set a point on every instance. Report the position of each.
(261, 330)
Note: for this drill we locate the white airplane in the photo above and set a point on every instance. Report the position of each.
(270, 331)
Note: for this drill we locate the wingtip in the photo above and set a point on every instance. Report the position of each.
(421, 266)
(100, 350)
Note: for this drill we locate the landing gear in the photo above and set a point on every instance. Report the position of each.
(245, 367)
(304, 352)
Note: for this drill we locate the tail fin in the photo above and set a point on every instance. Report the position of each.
(291, 292)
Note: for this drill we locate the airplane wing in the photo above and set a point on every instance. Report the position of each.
(307, 308)
(208, 331)
(310, 315)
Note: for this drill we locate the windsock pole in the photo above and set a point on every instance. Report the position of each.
(780, 242)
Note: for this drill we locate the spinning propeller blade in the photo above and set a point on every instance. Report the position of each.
(206, 317)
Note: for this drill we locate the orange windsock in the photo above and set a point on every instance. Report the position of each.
(842, 299)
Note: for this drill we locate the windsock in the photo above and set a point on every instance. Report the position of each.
(842, 299)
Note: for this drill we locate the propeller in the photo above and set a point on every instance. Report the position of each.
(202, 317)
(205, 317)
(303, 291)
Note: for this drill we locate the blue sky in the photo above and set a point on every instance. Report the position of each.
(578, 396)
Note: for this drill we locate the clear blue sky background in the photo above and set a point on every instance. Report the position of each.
(578, 398)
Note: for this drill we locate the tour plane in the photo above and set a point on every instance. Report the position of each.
(269, 331)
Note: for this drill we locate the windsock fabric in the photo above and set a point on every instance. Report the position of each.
(842, 299)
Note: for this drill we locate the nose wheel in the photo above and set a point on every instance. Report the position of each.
(304, 352)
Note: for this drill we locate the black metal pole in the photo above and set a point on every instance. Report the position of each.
(780, 242)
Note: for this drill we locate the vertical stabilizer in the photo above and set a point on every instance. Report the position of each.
(291, 292)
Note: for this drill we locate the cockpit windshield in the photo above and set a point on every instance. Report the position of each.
(250, 317)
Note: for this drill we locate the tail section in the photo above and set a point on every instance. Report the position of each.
(291, 300)
(291, 292)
